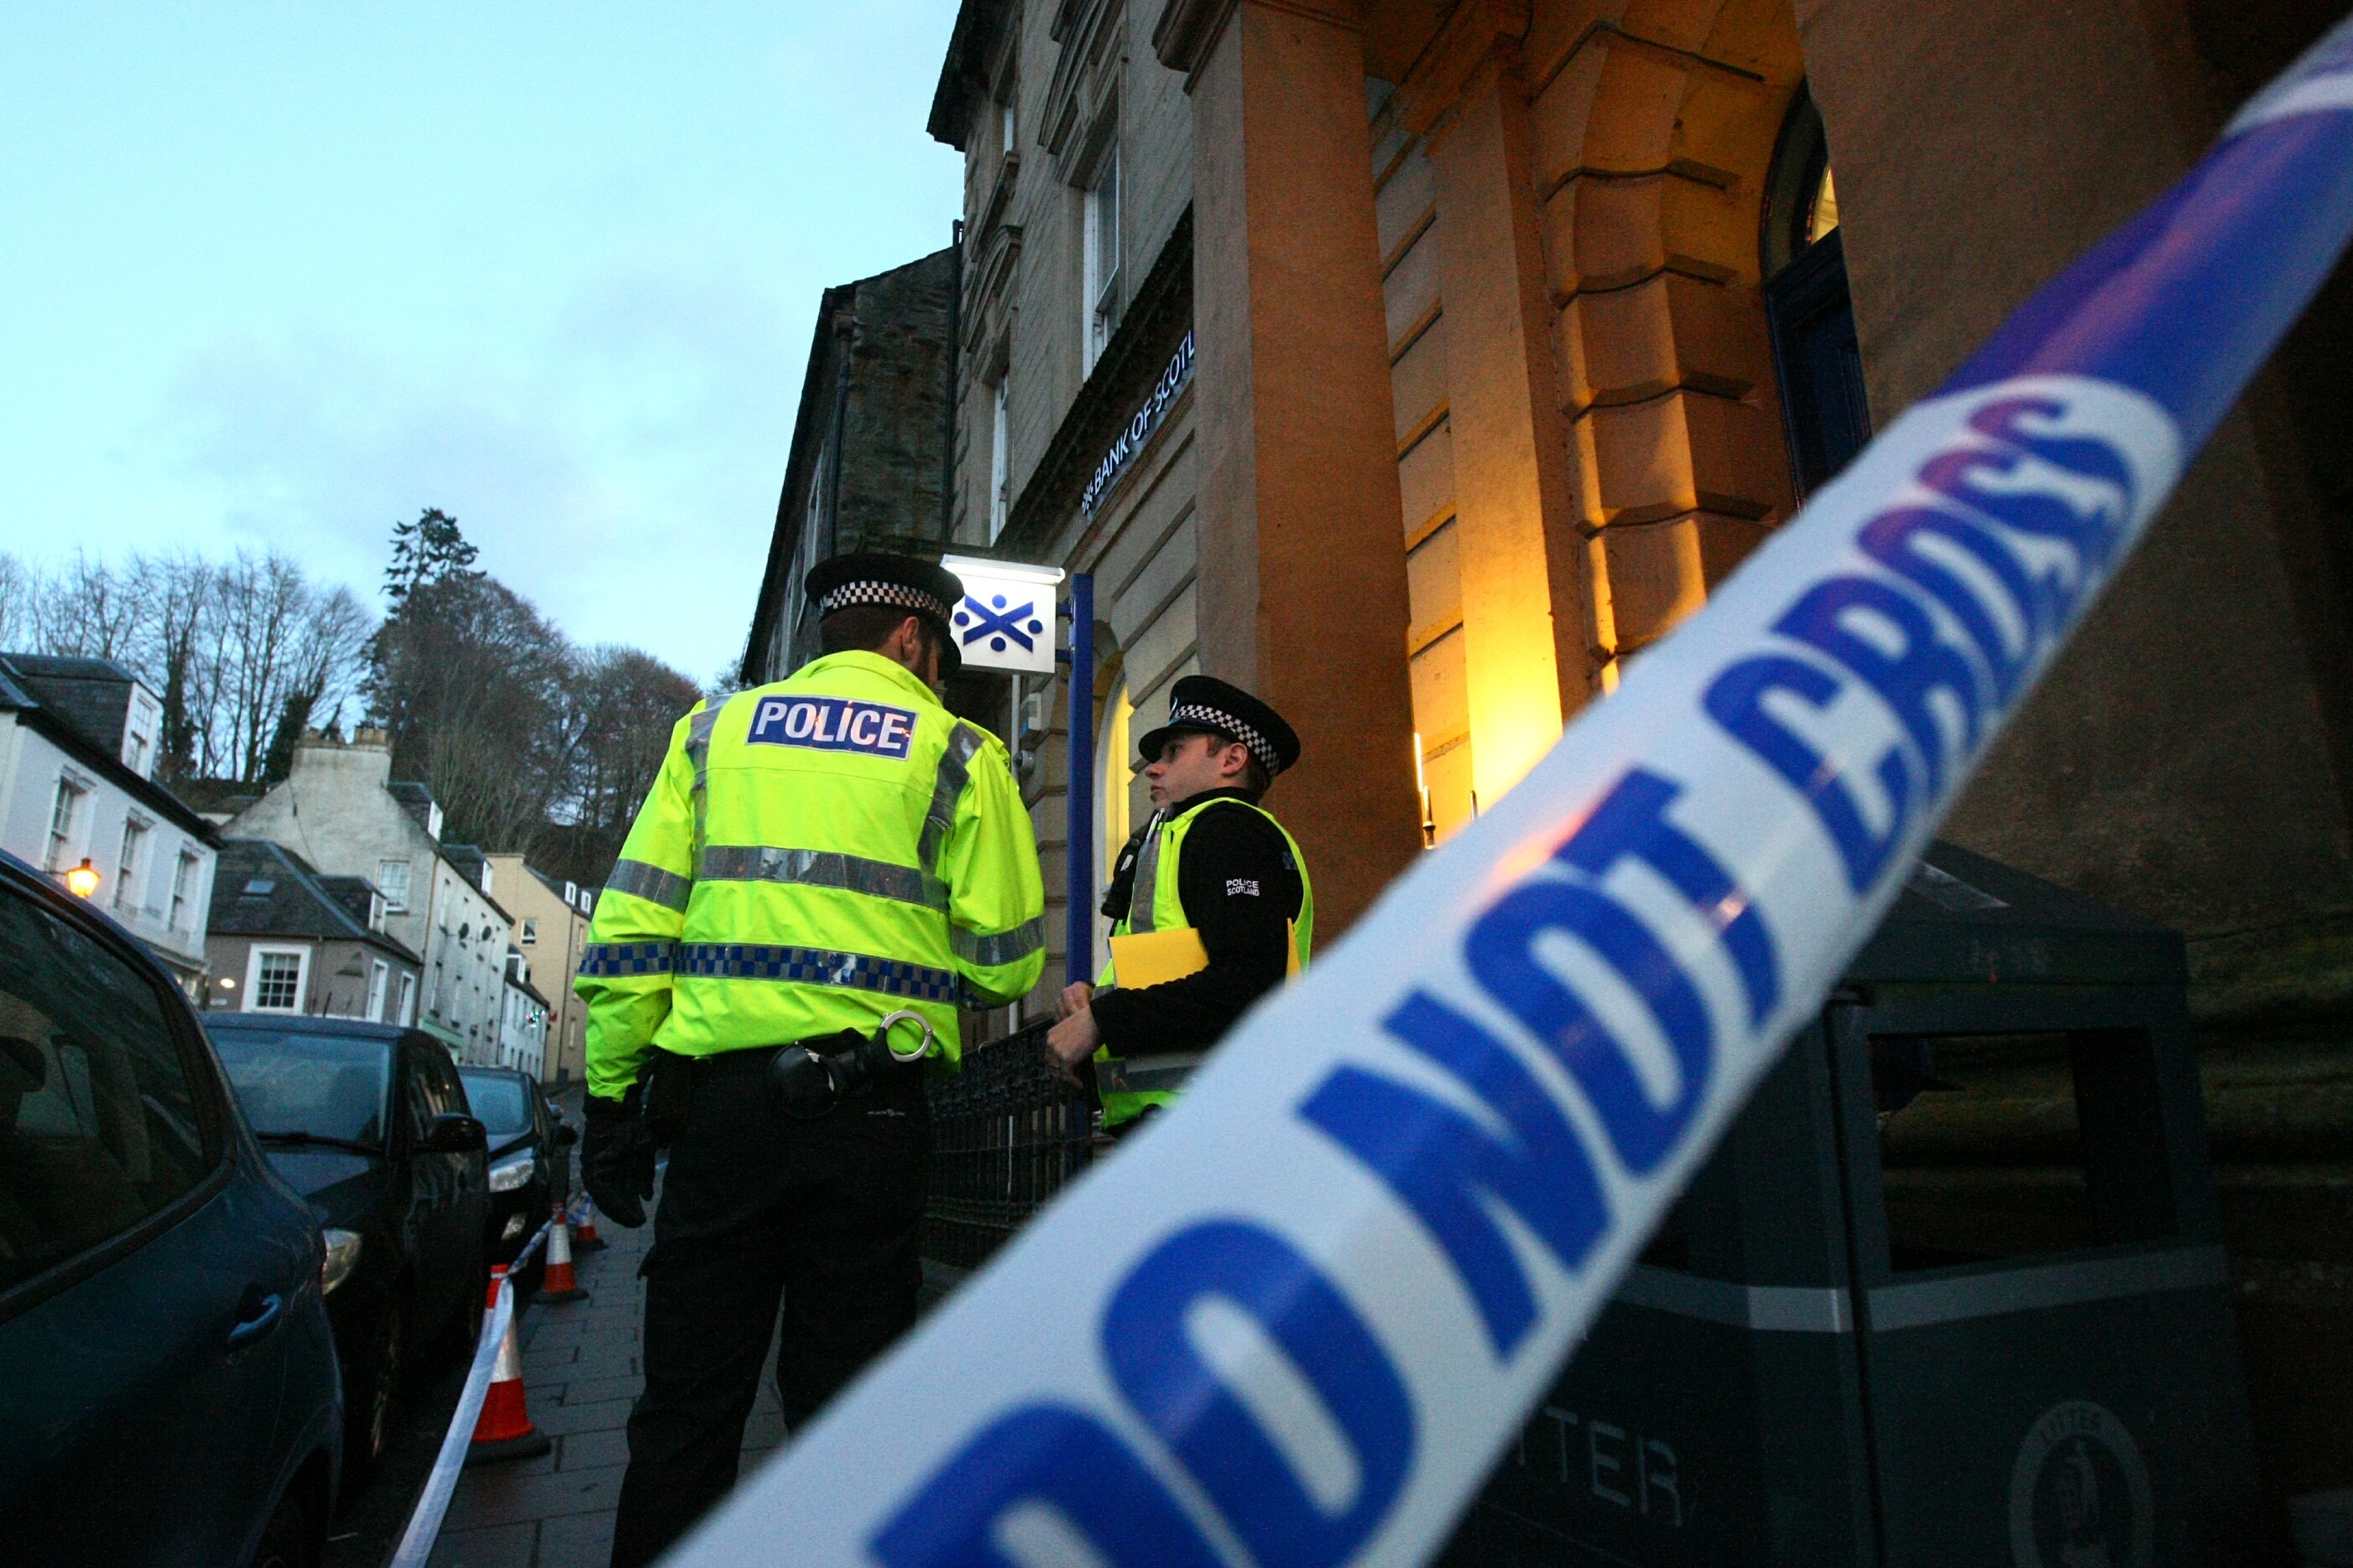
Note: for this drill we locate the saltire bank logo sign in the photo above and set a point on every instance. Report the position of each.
(1133, 436)
(1006, 619)
(1295, 1321)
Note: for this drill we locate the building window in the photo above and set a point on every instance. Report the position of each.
(1102, 240)
(139, 737)
(273, 980)
(1005, 127)
(392, 882)
(183, 891)
(407, 1013)
(65, 823)
(129, 863)
(1000, 457)
(530, 932)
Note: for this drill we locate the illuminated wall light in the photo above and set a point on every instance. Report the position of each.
(83, 879)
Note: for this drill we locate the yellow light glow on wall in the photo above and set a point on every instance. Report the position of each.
(1421, 793)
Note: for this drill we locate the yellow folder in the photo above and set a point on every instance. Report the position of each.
(1156, 957)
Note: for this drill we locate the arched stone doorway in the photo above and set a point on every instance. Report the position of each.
(1589, 432)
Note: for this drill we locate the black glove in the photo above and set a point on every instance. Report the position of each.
(616, 1158)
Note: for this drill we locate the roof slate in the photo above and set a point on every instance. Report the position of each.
(18, 694)
(92, 695)
(261, 889)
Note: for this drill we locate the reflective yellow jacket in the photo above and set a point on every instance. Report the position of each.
(815, 853)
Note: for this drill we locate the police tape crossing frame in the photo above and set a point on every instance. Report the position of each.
(1296, 1321)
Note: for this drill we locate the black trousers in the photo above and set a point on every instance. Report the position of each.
(758, 1208)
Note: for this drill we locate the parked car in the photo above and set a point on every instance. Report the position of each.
(168, 1390)
(370, 1123)
(530, 1161)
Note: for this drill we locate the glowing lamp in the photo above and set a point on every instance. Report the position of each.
(83, 879)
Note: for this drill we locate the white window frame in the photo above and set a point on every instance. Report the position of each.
(379, 974)
(139, 736)
(70, 814)
(183, 892)
(1000, 454)
(253, 957)
(393, 905)
(406, 1007)
(130, 860)
(1099, 228)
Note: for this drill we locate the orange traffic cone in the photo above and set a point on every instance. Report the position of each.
(558, 1284)
(504, 1430)
(586, 1238)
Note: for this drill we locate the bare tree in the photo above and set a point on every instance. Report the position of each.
(18, 584)
(243, 655)
(90, 610)
(623, 706)
(528, 742)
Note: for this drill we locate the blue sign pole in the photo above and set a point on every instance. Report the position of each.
(1079, 814)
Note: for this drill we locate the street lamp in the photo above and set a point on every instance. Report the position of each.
(83, 880)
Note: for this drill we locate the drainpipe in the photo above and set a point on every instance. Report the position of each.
(845, 337)
(948, 415)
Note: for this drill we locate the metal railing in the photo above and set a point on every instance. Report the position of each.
(1007, 1133)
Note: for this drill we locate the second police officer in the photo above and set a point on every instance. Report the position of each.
(1213, 860)
(825, 866)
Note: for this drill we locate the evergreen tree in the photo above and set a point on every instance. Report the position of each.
(430, 550)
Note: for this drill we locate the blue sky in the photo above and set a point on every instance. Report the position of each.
(278, 274)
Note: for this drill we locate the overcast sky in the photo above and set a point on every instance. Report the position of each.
(278, 274)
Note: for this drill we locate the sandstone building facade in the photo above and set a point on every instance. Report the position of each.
(1422, 365)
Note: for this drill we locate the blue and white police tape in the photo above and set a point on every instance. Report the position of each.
(1297, 1321)
(442, 1482)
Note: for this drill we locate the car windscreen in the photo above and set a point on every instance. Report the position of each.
(329, 1086)
(499, 1103)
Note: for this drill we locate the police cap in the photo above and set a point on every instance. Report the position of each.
(899, 582)
(1202, 704)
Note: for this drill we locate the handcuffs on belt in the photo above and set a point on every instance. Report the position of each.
(809, 1081)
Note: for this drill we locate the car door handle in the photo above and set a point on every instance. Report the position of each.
(263, 1318)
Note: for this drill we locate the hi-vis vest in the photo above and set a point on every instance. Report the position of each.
(1136, 1083)
(815, 854)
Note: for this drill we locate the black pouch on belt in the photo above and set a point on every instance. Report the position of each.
(812, 1077)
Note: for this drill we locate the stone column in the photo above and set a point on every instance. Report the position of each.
(1523, 587)
(1303, 585)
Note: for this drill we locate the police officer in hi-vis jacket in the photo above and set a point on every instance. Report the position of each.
(1211, 859)
(825, 868)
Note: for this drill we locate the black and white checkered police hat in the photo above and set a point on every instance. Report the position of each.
(1202, 704)
(901, 582)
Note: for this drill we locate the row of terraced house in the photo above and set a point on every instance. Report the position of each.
(331, 892)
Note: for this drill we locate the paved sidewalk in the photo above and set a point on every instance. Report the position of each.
(580, 1375)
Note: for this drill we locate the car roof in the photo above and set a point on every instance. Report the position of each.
(281, 1023)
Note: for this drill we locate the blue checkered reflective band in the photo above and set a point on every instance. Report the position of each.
(608, 958)
(815, 966)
